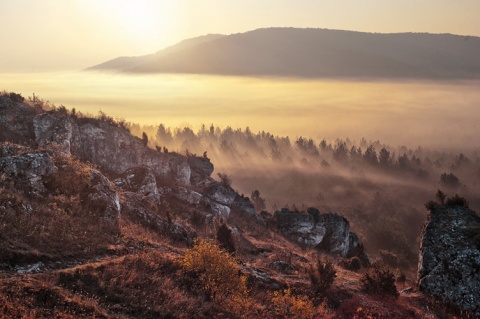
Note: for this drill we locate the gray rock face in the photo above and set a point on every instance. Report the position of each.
(221, 194)
(116, 151)
(201, 168)
(101, 199)
(138, 179)
(50, 129)
(111, 148)
(449, 263)
(186, 195)
(15, 121)
(356, 249)
(28, 171)
(326, 232)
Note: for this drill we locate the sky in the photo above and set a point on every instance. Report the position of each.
(58, 35)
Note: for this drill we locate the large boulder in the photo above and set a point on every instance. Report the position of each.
(221, 194)
(449, 263)
(326, 232)
(28, 171)
(138, 179)
(101, 200)
(53, 130)
(201, 168)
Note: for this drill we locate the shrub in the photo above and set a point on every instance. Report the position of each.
(215, 270)
(379, 280)
(225, 239)
(431, 205)
(440, 196)
(292, 307)
(144, 139)
(322, 276)
(225, 180)
(457, 201)
(16, 97)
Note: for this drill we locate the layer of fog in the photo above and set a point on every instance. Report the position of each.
(437, 121)
(440, 114)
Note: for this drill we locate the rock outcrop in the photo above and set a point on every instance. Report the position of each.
(118, 153)
(102, 199)
(326, 232)
(184, 181)
(449, 263)
(28, 171)
(139, 180)
(99, 142)
(15, 121)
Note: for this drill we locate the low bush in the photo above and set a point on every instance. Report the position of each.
(225, 239)
(457, 200)
(379, 280)
(288, 306)
(322, 277)
(215, 271)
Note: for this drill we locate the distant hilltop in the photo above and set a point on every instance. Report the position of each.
(314, 53)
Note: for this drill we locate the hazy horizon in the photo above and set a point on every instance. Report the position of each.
(412, 113)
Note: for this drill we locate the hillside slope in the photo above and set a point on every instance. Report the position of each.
(94, 224)
(316, 53)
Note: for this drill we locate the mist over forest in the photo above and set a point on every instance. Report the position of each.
(380, 188)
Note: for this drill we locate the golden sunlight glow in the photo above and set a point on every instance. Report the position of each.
(140, 20)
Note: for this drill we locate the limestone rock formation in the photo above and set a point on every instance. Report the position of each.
(201, 167)
(28, 171)
(449, 263)
(138, 179)
(99, 142)
(102, 199)
(326, 232)
(50, 129)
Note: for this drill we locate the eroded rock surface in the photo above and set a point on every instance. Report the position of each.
(110, 147)
(326, 232)
(102, 199)
(28, 171)
(449, 263)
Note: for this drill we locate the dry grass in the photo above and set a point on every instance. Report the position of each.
(55, 226)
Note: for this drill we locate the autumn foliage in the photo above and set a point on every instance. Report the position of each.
(215, 270)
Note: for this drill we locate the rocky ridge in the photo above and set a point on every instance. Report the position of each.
(449, 263)
(144, 177)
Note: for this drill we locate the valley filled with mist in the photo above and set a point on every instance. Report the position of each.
(373, 151)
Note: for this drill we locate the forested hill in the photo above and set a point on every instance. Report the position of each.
(314, 53)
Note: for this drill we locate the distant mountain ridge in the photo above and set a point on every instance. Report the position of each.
(314, 53)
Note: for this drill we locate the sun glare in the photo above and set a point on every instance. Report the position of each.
(140, 20)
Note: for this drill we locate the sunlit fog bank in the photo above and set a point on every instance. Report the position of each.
(411, 113)
(374, 152)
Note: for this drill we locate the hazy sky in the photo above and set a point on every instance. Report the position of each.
(46, 35)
